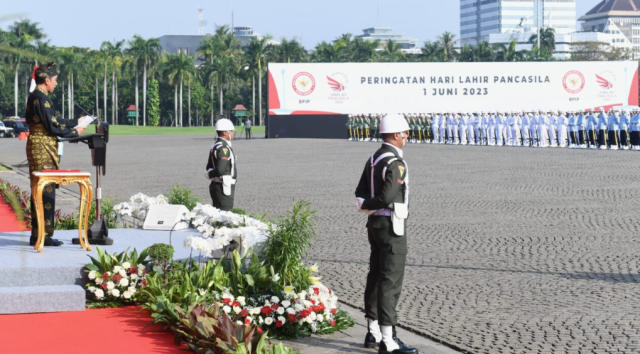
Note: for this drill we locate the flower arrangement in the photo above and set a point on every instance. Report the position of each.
(218, 228)
(116, 279)
(138, 205)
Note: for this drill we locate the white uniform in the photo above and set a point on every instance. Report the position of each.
(561, 129)
(533, 129)
(462, 129)
(499, 129)
(442, 125)
(434, 128)
(551, 128)
(543, 135)
(524, 129)
(515, 129)
(471, 128)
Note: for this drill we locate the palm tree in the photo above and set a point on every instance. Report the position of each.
(111, 54)
(21, 44)
(181, 68)
(147, 52)
(289, 51)
(547, 41)
(257, 52)
(448, 42)
(432, 51)
(25, 27)
(365, 51)
(392, 51)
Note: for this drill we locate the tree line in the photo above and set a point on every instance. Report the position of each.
(170, 90)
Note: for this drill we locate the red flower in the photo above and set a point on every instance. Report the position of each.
(103, 286)
(333, 311)
(316, 291)
(312, 301)
(117, 278)
(105, 276)
(304, 313)
(279, 324)
(333, 322)
(133, 270)
(144, 283)
(247, 321)
(266, 311)
(292, 317)
(244, 313)
(235, 304)
(260, 330)
(274, 307)
(226, 301)
(318, 308)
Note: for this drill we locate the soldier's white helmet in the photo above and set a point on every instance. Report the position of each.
(224, 125)
(393, 123)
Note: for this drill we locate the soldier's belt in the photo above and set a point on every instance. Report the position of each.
(382, 212)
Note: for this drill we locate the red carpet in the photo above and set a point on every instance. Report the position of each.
(104, 331)
(8, 220)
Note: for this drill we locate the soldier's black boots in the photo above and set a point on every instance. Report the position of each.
(48, 241)
(370, 341)
(404, 349)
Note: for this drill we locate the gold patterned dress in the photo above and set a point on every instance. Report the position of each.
(42, 147)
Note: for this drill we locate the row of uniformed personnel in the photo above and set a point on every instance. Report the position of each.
(617, 129)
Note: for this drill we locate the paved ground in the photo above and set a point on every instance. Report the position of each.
(512, 250)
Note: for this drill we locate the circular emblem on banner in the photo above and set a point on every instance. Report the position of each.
(304, 83)
(573, 81)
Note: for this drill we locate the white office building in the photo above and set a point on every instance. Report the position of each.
(618, 20)
(479, 19)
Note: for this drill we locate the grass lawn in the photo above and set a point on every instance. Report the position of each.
(122, 130)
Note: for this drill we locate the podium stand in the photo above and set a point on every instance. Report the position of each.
(98, 233)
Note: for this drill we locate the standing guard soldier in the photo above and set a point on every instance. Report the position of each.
(221, 167)
(349, 129)
(613, 126)
(592, 124)
(383, 194)
(635, 130)
(602, 129)
(42, 144)
(435, 128)
(561, 124)
(624, 130)
(524, 129)
(581, 128)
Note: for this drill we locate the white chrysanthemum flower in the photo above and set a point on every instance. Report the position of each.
(291, 311)
(260, 320)
(134, 277)
(280, 310)
(91, 289)
(268, 321)
(282, 319)
(255, 311)
(298, 307)
(123, 273)
(115, 292)
(285, 303)
(319, 318)
(124, 282)
(110, 285)
(126, 295)
(99, 281)
(126, 265)
(237, 309)
(226, 309)
(275, 300)
(307, 303)
(92, 275)
(242, 300)
(99, 294)
(117, 269)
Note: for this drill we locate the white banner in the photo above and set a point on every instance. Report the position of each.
(351, 88)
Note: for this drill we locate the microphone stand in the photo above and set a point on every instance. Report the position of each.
(98, 232)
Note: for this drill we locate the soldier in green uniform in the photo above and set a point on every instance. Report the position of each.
(221, 167)
(356, 126)
(42, 144)
(427, 127)
(373, 127)
(383, 194)
(349, 127)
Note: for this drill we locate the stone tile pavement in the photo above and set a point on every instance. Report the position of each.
(512, 250)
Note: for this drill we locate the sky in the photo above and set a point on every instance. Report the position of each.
(87, 23)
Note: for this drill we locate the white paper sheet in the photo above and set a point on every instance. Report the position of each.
(85, 123)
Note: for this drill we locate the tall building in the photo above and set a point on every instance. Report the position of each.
(620, 19)
(384, 34)
(481, 18)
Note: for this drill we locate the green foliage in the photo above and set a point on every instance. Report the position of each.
(289, 243)
(183, 196)
(19, 200)
(253, 280)
(153, 103)
(206, 329)
(70, 221)
(105, 262)
(161, 254)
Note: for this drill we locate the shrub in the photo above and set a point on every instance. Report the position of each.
(182, 196)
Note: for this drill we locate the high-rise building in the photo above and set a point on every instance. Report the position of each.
(481, 18)
(620, 19)
(384, 34)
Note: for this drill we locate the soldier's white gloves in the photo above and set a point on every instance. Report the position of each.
(359, 209)
(206, 174)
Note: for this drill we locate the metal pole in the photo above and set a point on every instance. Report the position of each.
(98, 192)
(539, 25)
